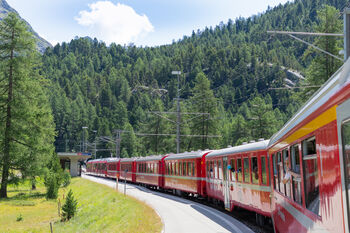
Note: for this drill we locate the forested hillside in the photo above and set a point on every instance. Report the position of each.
(227, 71)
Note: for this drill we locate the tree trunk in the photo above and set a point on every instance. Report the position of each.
(7, 139)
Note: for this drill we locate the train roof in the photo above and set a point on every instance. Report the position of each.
(97, 160)
(128, 159)
(112, 159)
(254, 146)
(328, 89)
(187, 155)
(150, 158)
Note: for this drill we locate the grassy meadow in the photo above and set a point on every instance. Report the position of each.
(100, 209)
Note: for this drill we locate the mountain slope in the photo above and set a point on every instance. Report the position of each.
(5, 8)
(116, 87)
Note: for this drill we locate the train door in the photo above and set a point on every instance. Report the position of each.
(226, 184)
(343, 124)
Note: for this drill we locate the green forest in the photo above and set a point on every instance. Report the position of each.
(231, 74)
(237, 83)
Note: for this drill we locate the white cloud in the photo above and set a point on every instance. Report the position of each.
(114, 23)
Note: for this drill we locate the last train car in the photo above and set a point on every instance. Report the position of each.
(312, 148)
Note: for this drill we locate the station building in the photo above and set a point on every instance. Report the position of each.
(72, 161)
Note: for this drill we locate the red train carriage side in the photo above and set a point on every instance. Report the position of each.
(310, 163)
(113, 167)
(238, 176)
(183, 172)
(150, 170)
(128, 169)
(97, 167)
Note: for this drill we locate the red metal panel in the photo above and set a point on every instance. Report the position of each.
(292, 217)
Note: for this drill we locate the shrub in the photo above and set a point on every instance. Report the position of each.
(19, 218)
(52, 184)
(70, 207)
(66, 178)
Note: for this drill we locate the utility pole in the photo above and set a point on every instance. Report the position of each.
(118, 139)
(84, 127)
(178, 115)
(346, 33)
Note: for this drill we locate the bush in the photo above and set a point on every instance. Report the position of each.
(19, 218)
(70, 207)
(52, 183)
(66, 178)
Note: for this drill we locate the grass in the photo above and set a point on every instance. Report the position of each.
(100, 209)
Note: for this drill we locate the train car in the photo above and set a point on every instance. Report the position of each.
(128, 169)
(113, 167)
(97, 167)
(185, 173)
(310, 162)
(150, 170)
(238, 176)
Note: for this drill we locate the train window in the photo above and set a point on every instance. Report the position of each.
(219, 170)
(280, 172)
(239, 170)
(246, 173)
(211, 169)
(311, 184)
(208, 171)
(346, 155)
(176, 168)
(286, 168)
(180, 169)
(193, 169)
(215, 170)
(189, 168)
(263, 170)
(233, 170)
(295, 158)
(255, 171)
(185, 169)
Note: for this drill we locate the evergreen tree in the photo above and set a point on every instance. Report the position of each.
(323, 66)
(205, 103)
(69, 208)
(27, 134)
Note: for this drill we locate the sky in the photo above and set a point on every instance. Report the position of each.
(142, 22)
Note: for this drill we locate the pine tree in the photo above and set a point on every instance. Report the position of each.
(27, 133)
(323, 66)
(69, 208)
(204, 102)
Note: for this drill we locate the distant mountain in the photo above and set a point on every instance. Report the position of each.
(5, 8)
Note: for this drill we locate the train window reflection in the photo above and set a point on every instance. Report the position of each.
(185, 169)
(263, 171)
(220, 170)
(255, 172)
(311, 183)
(239, 170)
(233, 170)
(295, 158)
(346, 156)
(246, 170)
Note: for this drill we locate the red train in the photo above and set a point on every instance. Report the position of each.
(300, 177)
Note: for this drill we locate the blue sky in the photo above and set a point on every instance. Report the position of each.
(143, 22)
